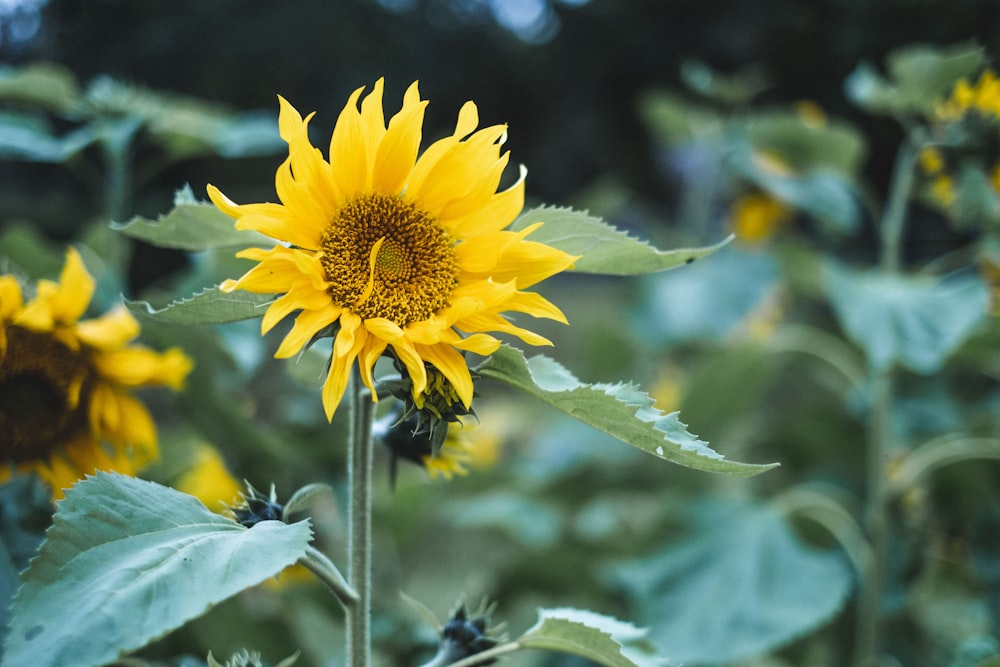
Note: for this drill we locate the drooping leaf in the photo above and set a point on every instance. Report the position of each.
(191, 225)
(603, 249)
(126, 562)
(913, 321)
(593, 636)
(919, 76)
(620, 410)
(210, 306)
(742, 586)
(805, 144)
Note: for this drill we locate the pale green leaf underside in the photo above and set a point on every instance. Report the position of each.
(211, 306)
(127, 561)
(552, 633)
(622, 411)
(191, 225)
(913, 321)
(602, 248)
(594, 636)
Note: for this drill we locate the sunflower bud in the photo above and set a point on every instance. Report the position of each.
(255, 507)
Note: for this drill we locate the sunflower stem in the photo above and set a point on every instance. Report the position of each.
(359, 476)
(880, 441)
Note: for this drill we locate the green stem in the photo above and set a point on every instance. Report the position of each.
(869, 630)
(894, 217)
(359, 545)
(318, 563)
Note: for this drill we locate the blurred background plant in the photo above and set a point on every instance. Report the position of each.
(845, 332)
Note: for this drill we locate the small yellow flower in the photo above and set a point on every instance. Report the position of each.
(392, 251)
(755, 217)
(66, 404)
(983, 97)
(466, 445)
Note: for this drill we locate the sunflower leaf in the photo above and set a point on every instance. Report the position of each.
(126, 561)
(210, 306)
(603, 249)
(620, 410)
(603, 639)
(191, 225)
(916, 322)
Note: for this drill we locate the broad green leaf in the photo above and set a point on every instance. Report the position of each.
(603, 249)
(593, 636)
(919, 76)
(47, 85)
(738, 588)
(620, 410)
(127, 561)
(913, 321)
(191, 225)
(211, 306)
(739, 88)
(29, 137)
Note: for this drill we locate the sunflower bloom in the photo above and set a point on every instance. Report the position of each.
(66, 403)
(392, 251)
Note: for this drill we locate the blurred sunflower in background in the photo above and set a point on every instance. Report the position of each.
(66, 403)
(965, 122)
(395, 252)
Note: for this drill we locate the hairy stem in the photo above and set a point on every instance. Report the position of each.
(359, 474)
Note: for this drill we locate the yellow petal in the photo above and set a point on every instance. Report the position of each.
(453, 366)
(348, 155)
(307, 324)
(76, 286)
(110, 331)
(495, 215)
(346, 346)
(11, 299)
(397, 152)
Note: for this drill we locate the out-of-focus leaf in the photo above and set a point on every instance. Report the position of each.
(191, 225)
(976, 203)
(590, 635)
(673, 120)
(602, 248)
(126, 562)
(620, 410)
(211, 306)
(186, 127)
(804, 144)
(737, 589)
(31, 252)
(26, 510)
(915, 322)
(919, 76)
(47, 85)
(822, 191)
(730, 89)
(29, 137)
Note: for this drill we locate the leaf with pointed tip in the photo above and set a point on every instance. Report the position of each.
(602, 248)
(191, 225)
(590, 635)
(126, 561)
(210, 306)
(620, 410)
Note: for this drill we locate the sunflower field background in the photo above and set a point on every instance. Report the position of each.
(834, 168)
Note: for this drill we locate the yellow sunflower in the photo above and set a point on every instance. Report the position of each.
(755, 217)
(394, 251)
(66, 404)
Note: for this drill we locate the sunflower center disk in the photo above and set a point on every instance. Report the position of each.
(44, 393)
(385, 257)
